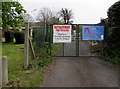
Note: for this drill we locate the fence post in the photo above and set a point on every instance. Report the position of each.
(0, 72)
(4, 71)
(26, 47)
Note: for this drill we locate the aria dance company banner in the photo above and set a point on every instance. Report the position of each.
(92, 32)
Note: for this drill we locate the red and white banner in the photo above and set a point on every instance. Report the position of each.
(62, 33)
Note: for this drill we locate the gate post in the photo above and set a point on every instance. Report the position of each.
(63, 49)
(26, 47)
(51, 38)
(77, 41)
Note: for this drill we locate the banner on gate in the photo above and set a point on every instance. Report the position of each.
(92, 32)
(62, 33)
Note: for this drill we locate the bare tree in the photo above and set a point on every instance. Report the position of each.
(27, 17)
(66, 15)
(44, 15)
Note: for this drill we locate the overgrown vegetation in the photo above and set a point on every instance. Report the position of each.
(112, 50)
(45, 61)
(46, 58)
(114, 24)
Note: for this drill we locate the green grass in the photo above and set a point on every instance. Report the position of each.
(55, 48)
(17, 75)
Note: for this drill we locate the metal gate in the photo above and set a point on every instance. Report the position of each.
(78, 47)
(43, 40)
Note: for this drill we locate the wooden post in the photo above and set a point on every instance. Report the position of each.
(31, 45)
(26, 47)
(4, 71)
(31, 31)
(33, 52)
(0, 72)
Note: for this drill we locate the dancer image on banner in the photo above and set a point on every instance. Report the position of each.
(87, 30)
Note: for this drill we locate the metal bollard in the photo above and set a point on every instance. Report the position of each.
(4, 71)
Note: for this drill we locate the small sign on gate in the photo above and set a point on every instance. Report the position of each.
(62, 33)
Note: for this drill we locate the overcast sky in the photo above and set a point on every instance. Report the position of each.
(85, 11)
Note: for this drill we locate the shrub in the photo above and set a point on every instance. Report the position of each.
(45, 61)
(114, 24)
(112, 49)
(9, 35)
(19, 37)
(45, 58)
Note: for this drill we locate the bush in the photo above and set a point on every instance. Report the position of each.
(9, 35)
(45, 61)
(112, 49)
(19, 37)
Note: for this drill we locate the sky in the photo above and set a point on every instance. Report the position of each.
(84, 11)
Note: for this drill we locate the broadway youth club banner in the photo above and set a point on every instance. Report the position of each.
(92, 32)
(62, 33)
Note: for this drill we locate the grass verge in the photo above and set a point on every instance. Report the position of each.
(17, 76)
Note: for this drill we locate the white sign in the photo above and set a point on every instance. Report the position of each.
(62, 33)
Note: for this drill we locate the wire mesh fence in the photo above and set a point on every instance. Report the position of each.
(41, 40)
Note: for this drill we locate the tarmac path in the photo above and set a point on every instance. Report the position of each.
(81, 72)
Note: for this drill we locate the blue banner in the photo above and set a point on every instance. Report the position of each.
(92, 32)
